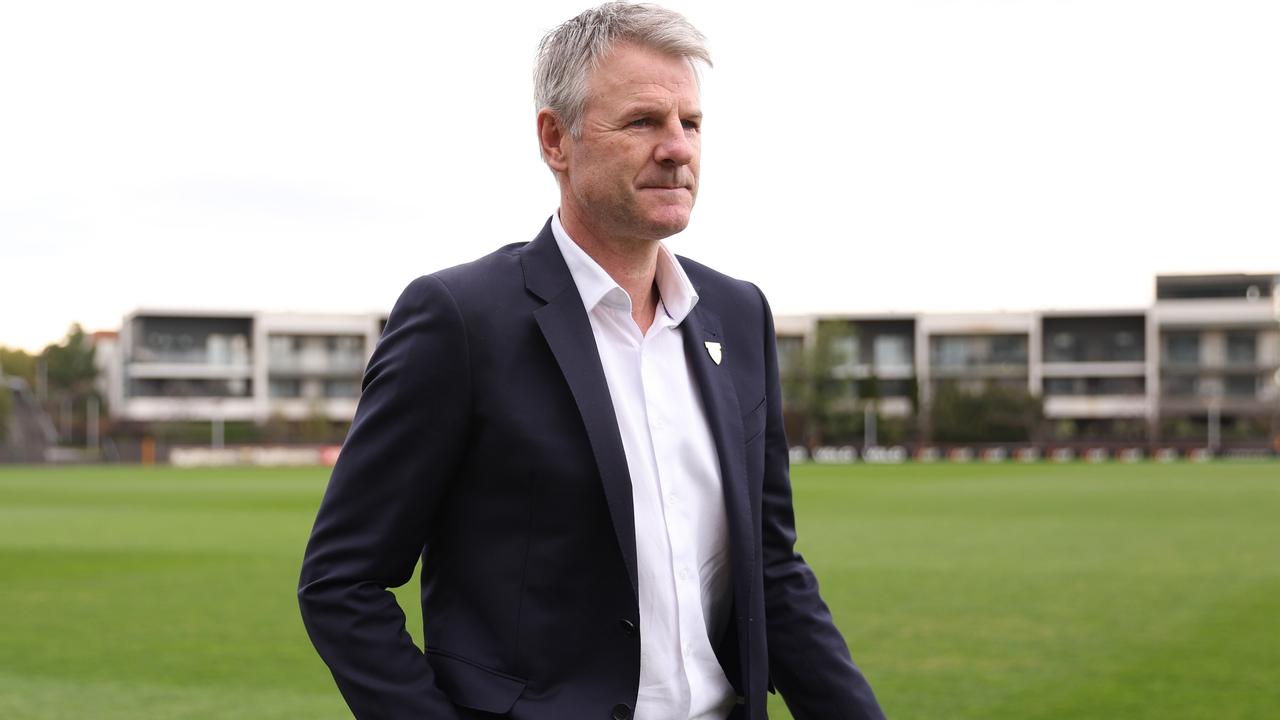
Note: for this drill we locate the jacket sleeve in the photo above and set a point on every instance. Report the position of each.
(809, 661)
(399, 457)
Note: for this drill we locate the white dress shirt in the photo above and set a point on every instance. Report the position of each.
(682, 536)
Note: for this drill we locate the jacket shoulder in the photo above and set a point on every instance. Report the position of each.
(718, 289)
(472, 282)
(495, 266)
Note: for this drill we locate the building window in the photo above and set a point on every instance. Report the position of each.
(193, 340)
(1241, 386)
(896, 388)
(1062, 347)
(342, 388)
(1182, 348)
(1180, 386)
(347, 344)
(1126, 347)
(790, 355)
(844, 353)
(892, 351)
(1095, 386)
(1094, 339)
(1063, 386)
(839, 389)
(950, 351)
(1117, 386)
(1242, 348)
(961, 351)
(281, 347)
(284, 388)
(1009, 349)
(189, 388)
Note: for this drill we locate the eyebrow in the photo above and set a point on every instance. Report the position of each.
(649, 109)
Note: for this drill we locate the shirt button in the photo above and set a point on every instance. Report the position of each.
(621, 712)
(684, 573)
(627, 626)
(671, 498)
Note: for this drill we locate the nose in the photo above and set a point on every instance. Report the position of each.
(675, 147)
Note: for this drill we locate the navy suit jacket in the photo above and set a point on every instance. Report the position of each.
(485, 443)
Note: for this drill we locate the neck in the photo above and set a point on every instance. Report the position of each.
(631, 262)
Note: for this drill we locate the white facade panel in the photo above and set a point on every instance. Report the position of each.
(160, 409)
(1096, 406)
(189, 371)
(1093, 369)
(895, 407)
(302, 409)
(977, 324)
(1222, 312)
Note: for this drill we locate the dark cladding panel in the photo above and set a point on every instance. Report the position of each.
(1116, 338)
(1206, 287)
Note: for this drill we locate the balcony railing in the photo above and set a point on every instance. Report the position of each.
(194, 356)
(331, 364)
(1058, 356)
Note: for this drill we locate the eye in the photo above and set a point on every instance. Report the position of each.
(691, 124)
(640, 122)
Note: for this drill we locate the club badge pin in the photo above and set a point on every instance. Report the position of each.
(713, 349)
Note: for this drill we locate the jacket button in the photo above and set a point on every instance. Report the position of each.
(627, 626)
(621, 712)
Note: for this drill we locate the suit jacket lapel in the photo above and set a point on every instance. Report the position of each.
(715, 383)
(565, 325)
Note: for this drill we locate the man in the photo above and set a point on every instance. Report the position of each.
(582, 438)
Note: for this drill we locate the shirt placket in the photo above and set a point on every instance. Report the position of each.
(664, 437)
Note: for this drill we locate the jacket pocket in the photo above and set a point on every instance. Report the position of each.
(474, 686)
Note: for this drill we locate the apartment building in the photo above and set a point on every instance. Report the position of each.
(977, 351)
(172, 365)
(1094, 369)
(868, 356)
(1203, 361)
(1218, 340)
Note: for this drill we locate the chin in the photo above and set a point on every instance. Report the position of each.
(670, 220)
(668, 228)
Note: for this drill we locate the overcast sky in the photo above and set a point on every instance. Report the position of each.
(953, 155)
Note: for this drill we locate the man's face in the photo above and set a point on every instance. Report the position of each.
(632, 174)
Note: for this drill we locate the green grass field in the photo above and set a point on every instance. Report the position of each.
(1023, 592)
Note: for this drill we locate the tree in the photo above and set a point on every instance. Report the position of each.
(6, 408)
(71, 372)
(18, 363)
(70, 365)
(816, 390)
(315, 427)
(996, 414)
(13, 363)
(830, 404)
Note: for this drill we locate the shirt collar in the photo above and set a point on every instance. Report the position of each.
(596, 287)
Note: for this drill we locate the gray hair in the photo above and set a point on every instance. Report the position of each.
(568, 54)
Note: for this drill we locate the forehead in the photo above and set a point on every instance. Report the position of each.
(633, 71)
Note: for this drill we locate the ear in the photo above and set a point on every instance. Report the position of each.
(553, 140)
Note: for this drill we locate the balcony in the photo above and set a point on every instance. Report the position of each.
(1106, 386)
(958, 356)
(320, 364)
(163, 343)
(175, 388)
(1248, 392)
